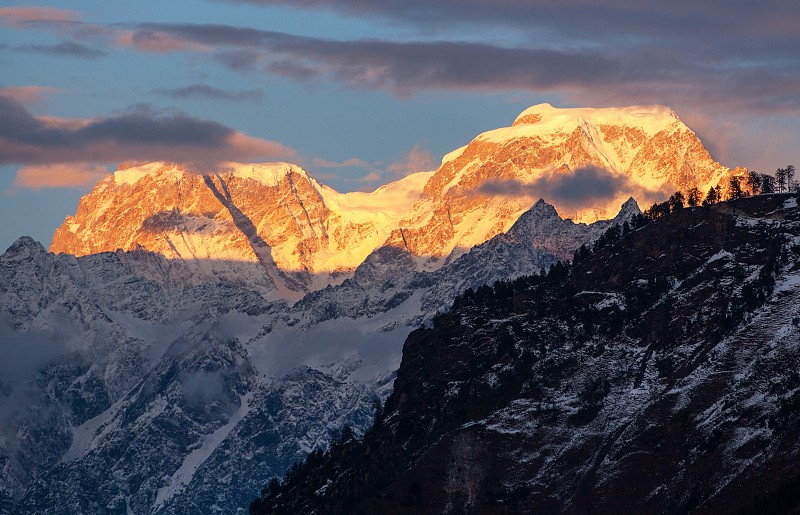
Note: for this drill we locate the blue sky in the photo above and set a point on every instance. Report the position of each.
(361, 92)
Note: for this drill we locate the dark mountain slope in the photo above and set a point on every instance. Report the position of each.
(659, 373)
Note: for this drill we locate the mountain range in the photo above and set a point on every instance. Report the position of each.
(196, 331)
(293, 235)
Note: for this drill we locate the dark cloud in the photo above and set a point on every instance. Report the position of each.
(582, 187)
(395, 65)
(239, 60)
(719, 63)
(65, 48)
(208, 34)
(681, 22)
(206, 91)
(604, 74)
(712, 56)
(141, 133)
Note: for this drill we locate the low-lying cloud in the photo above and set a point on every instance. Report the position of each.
(69, 175)
(22, 355)
(25, 352)
(577, 189)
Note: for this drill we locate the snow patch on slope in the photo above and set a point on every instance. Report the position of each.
(193, 460)
(389, 203)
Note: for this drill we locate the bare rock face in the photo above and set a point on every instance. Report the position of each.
(274, 226)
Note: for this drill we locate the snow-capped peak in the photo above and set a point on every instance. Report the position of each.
(629, 208)
(651, 118)
(23, 248)
(269, 174)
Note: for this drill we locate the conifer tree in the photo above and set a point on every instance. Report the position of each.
(676, 201)
(711, 197)
(767, 183)
(735, 189)
(754, 182)
(780, 179)
(693, 199)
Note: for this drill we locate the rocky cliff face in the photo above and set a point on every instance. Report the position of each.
(655, 374)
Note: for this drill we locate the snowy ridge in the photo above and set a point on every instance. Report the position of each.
(197, 457)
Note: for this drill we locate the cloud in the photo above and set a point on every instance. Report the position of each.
(417, 160)
(156, 41)
(78, 175)
(397, 66)
(140, 133)
(678, 20)
(65, 48)
(690, 55)
(24, 354)
(202, 388)
(605, 72)
(371, 177)
(27, 94)
(729, 63)
(239, 60)
(21, 17)
(582, 187)
(355, 162)
(206, 91)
